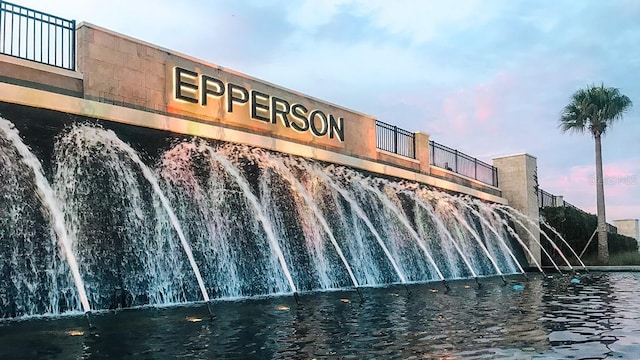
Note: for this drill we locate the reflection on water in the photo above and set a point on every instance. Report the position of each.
(597, 318)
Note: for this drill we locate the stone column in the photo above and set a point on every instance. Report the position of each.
(558, 200)
(423, 154)
(630, 228)
(517, 178)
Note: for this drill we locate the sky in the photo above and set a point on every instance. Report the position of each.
(487, 77)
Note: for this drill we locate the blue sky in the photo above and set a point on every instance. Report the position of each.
(487, 77)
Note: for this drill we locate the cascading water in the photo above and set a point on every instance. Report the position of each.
(424, 216)
(225, 221)
(390, 206)
(220, 215)
(119, 217)
(313, 235)
(35, 274)
(507, 211)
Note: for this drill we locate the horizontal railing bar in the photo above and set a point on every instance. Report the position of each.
(37, 36)
(12, 6)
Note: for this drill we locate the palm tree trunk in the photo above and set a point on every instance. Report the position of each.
(603, 246)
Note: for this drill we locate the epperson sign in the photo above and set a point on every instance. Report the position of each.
(204, 89)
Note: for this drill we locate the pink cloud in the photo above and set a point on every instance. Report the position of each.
(476, 109)
(621, 187)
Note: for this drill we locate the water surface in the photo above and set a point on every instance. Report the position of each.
(549, 319)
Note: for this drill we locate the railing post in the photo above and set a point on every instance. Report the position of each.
(73, 45)
(414, 146)
(475, 168)
(395, 139)
(456, 160)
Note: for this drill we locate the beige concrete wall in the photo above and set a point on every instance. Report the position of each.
(114, 69)
(120, 70)
(517, 179)
(40, 76)
(422, 152)
(99, 110)
(629, 227)
(128, 72)
(391, 158)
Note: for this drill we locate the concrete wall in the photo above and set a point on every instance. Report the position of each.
(13, 94)
(517, 176)
(116, 72)
(127, 72)
(629, 227)
(39, 76)
(124, 71)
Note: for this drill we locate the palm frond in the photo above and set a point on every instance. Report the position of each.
(594, 109)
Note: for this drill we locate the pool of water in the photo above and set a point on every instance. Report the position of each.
(548, 319)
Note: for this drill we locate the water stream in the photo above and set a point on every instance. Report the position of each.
(46, 195)
(193, 220)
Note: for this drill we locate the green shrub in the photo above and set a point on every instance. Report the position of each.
(576, 227)
(625, 258)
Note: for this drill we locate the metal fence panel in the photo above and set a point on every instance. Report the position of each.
(37, 36)
(463, 164)
(393, 139)
(545, 199)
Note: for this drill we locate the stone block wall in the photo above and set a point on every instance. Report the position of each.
(120, 70)
(128, 72)
(40, 76)
(630, 228)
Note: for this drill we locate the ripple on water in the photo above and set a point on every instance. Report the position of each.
(595, 319)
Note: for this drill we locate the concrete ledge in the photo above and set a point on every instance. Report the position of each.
(40, 76)
(46, 100)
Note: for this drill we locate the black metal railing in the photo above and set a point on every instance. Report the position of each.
(37, 36)
(463, 164)
(393, 139)
(546, 199)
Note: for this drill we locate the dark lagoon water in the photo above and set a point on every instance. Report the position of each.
(549, 319)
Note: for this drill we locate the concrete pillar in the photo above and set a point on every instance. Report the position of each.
(630, 228)
(517, 176)
(558, 200)
(423, 153)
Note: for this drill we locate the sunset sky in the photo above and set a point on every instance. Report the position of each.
(487, 77)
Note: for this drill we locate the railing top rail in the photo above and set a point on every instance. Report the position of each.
(24, 11)
(396, 140)
(37, 36)
(541, 191)
(461, 154)
(393, 127)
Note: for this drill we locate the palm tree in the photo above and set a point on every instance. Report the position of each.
(595, 109)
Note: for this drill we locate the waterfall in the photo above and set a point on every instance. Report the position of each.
(50, 204)
(191, 219)
(104, 183)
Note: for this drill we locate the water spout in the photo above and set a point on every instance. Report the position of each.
(493, 230)
(475, 235)
(302, 191)
(505, 210)
(553, 243)
(444, 230)
(354, 205)
(385, 200)
(565, 242)
(78, 141)
(246, 188)
(46, 195)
